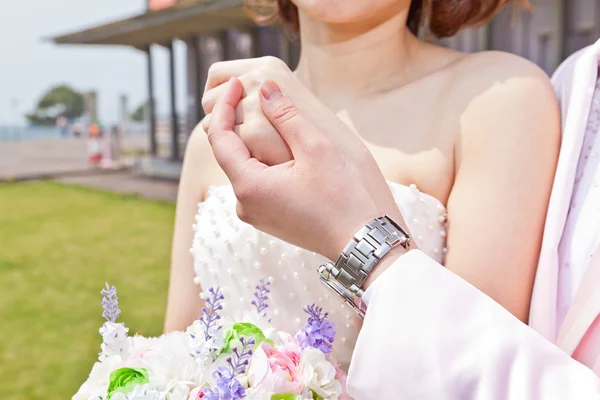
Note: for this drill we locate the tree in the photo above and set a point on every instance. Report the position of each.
(139, 113)
(58, 101)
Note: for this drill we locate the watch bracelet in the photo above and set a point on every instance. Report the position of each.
(358, 259)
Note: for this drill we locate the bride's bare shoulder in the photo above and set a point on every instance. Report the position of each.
(502, 83)
(200, 168)
(197, 143)
(484, 70)
(503, 97)
(498, 60)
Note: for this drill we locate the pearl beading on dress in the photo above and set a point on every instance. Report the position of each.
(235, 256)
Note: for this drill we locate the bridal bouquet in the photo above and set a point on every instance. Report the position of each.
(217, 358)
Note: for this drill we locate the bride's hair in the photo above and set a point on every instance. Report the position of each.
(443, 17)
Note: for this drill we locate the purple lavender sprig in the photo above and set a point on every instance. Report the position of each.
(227, 385)
(319, 332)
(211, 312)
(241, 358)
(110, 303)
(261, 297)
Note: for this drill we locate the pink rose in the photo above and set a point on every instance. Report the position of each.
(196, 394)
(276, 370)
(291, 348)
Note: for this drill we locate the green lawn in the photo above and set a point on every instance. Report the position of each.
(58, 245)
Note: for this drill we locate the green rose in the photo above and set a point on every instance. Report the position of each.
(124, 380)
(243, 329)
(286, 396)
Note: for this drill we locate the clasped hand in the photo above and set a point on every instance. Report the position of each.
(298, 172)
(253, 127)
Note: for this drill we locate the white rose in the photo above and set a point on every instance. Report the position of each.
(258, 368)
(96, 385)
(181, 391)
(319, 374)
(169, 362)
(139, 393)
(257, 394)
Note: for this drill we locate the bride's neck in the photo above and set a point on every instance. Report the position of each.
(353, 60)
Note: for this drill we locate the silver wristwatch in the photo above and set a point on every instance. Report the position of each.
(368, 246)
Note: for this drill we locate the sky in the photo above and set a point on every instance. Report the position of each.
(30, 64)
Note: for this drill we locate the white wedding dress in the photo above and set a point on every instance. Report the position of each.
(235, 256)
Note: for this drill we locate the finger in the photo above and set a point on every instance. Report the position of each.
(220, 72)
(296, 130)
(247, 104)
(265, 144)
(240, 113)
(205, 123)
(230, 151)
(210, 97)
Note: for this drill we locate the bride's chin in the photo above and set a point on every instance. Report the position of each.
(350, 11)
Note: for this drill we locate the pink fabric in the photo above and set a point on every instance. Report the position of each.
(579, 333)
(566, 300)
(588, 351)
(572, 80)
(428, 334)
(581, 235)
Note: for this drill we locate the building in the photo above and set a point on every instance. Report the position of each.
(216, 30)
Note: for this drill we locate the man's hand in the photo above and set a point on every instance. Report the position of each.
(258, 132)
(317, 200)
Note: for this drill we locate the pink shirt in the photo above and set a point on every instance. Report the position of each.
(581, 235)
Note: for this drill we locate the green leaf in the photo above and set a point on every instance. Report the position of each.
(243, 329)
(316, 396)
(124, 380)
(285, 396)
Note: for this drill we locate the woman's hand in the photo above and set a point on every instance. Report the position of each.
(251, 124)
(317, 200)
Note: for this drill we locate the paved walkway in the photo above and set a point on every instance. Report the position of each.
(66, 161)
(42, 158)
(52, 157)
(126, 182)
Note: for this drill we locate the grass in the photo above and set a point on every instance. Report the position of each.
(58, 245)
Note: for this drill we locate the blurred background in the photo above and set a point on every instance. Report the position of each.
(97, 100)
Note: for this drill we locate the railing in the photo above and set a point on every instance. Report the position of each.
(20, 133)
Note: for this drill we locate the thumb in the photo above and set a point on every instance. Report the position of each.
(294, 128)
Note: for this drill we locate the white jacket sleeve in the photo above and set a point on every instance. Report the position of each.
(428, 334)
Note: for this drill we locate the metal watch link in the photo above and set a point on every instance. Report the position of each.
(368, 246)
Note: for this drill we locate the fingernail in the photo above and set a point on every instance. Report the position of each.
(270, 91)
